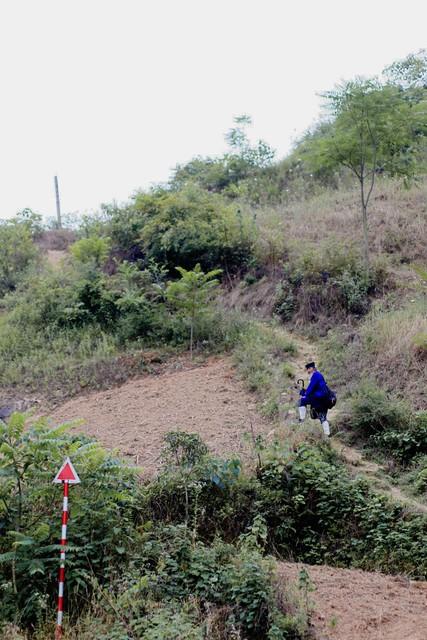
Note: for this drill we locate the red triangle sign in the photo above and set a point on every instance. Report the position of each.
(67, 473)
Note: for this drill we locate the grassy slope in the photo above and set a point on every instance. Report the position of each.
(390, 343)
(397, 219)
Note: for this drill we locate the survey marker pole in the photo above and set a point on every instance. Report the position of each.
(66, 475)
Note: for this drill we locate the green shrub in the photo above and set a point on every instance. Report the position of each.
(405, 444)
(62, 299)
(386, 425)
(183, 449)
(93, 249)
(17, 253)
(192, 226)
(328, 283)
(316, 513)
(420, 479)
(101, 530)
(179, 589)
(374, 411)
(143, 577)
(311, 509)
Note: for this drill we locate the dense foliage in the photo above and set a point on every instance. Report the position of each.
(61, 323)
(17, 253)
(30, 507)
(118, 556)
(308, 509)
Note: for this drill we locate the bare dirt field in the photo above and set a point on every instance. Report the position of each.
(206, 399)
(357, 605)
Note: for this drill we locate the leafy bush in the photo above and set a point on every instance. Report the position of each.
(317, 514)
(405, 444)
(92, 249)
(30, 510)
(327, 284)
(183, 449)
(179, 589)
(67, 327)
(311, 509)
(386, 425)
(17, 253)
(374, 411)
(65, 299)
(148, 578)
(179, 228)
(420, 479)
(192, 226)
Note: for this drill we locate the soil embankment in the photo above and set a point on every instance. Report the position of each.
(206, 399)
(357, 605)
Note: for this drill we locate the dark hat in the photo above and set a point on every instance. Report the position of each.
(310, 365)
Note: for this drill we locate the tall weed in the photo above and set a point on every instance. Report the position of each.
(262, 359)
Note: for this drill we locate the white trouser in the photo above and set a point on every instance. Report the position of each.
(325, 424)
(326, 430)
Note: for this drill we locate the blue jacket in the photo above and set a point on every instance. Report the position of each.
(317, 391)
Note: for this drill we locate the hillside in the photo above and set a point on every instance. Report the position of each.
(160, 344)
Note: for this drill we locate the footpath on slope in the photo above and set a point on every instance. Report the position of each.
(359, 466)
(356, 463)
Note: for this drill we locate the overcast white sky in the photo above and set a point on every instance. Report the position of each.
(111, 94)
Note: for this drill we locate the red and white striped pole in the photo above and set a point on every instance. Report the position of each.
(66, 475)
(61, 576)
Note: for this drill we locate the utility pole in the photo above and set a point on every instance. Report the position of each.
(58, 206)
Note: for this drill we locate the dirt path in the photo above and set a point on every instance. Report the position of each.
(356, 605)
(359, 466)
(205, 399)
(55, 257)
(354, 459)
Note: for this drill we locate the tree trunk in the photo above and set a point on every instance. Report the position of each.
(365, 225)
(191, 340)
(365, 237)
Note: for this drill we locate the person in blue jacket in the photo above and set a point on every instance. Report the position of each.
(317, 396)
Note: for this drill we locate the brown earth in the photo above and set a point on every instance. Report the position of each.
(206, 399)
(55, 257)
(356, 605)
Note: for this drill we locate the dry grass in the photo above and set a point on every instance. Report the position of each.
(389, 348)
(397, 221)
(392, 348)
(56, 239)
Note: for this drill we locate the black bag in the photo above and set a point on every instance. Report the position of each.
(331, 398)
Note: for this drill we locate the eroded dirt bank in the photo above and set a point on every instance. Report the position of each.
(206, 399)
(357, 605)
